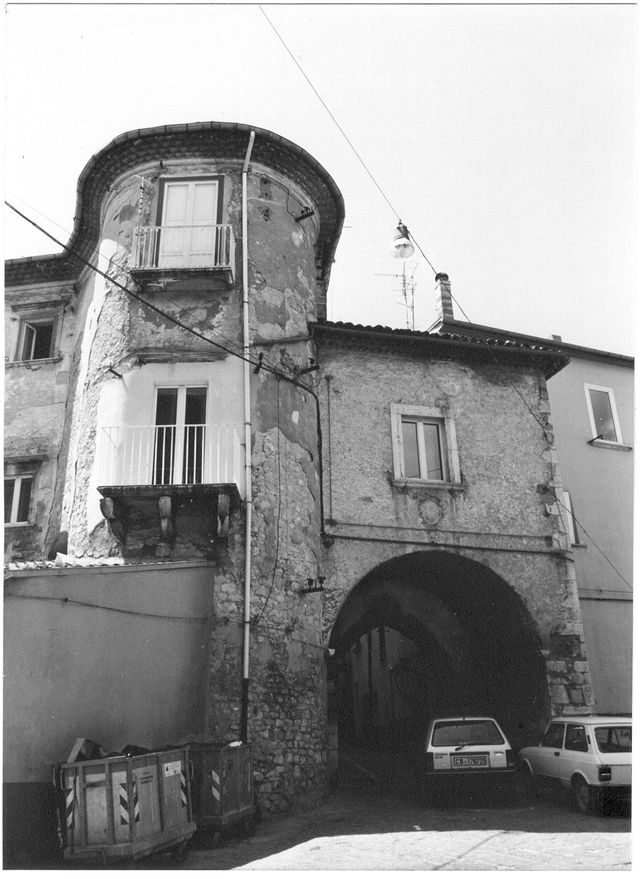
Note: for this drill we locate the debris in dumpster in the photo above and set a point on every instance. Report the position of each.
(85, 749)
(137, 751)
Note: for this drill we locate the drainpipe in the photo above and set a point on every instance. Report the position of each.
(244, 701)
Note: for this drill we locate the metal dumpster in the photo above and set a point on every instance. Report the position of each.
(222, 787)
(120, 808)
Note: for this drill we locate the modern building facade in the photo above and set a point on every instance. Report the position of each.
(250, 495)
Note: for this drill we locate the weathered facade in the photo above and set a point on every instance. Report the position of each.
(333, 480)
(592, 406)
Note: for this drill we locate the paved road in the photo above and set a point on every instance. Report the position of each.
(385, 828)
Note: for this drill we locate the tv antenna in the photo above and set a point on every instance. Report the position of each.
(408, 290)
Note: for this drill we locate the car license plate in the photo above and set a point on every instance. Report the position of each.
(470, 761)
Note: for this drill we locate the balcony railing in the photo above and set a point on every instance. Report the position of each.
(166, 454)
(183, 247)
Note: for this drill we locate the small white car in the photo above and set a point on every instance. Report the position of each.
(590, 755)
(471, 748)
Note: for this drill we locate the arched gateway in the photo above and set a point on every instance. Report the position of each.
(432, 633)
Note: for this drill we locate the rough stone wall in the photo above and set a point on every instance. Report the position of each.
(505, 516)
(35, 406)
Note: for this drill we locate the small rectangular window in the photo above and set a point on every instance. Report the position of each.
(422, 443)
(603, 416)
(36, 340)
(17, 499)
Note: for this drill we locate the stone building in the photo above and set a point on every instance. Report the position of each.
(262, 489)
(592, 405)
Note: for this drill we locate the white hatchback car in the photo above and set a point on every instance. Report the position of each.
(590, 755)
(474, 749)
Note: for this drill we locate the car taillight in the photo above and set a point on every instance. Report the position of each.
(429, 761)
(604, 773)
(511, 759)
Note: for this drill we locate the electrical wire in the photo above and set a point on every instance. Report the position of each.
(340, 128)
(255, 363)
(135, 613)
(552, 489)
(261, 362)
(159, 294)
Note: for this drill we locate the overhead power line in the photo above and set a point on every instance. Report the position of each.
(261, 363)
(340, 128)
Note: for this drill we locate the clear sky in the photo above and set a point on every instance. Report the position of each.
(504, 136)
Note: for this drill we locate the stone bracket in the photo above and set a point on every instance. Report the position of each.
(116, 516)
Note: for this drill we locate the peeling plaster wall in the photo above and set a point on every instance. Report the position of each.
(287, 701)
(35, 406)
(503, 518)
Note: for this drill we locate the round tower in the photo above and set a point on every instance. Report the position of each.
(194, 429)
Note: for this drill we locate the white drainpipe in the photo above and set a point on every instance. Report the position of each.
(244, 707)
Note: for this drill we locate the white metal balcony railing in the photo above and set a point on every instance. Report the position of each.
(184, 247)
(165, 454)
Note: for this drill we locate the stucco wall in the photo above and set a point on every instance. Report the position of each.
(600, 480)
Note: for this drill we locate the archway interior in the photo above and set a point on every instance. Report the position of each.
(432, 634)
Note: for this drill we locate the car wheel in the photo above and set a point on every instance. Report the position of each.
(585, 797)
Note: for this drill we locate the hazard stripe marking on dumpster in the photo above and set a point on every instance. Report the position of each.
(183, 789)
(70, 801)
(124, 804)
(215, 785)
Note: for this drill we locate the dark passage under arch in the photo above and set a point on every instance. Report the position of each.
(430, 634)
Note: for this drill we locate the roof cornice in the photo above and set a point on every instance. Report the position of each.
(448, 345)
(463, 327)
(219, 140)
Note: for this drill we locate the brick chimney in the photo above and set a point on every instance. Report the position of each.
(444, 303)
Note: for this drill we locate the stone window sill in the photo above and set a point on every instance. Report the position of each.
(603, 444)
(29, 364)
(432, 486)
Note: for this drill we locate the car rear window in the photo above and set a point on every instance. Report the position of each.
(470, 732)
(613, 739)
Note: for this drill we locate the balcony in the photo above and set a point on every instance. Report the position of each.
(187, 257)
(156, 473)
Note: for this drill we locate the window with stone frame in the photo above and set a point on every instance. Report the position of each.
(424, 446)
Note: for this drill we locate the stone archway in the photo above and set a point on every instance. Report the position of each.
(433, 633)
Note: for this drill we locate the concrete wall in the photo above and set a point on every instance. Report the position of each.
(82, 651)
(114, 654)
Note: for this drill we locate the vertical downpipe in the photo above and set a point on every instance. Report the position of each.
(244, 702)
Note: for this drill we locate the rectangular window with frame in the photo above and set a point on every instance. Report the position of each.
(424, 445)
(189, 213)
(36, 339)
(17, 499)
(603, 415)
(181, 414)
